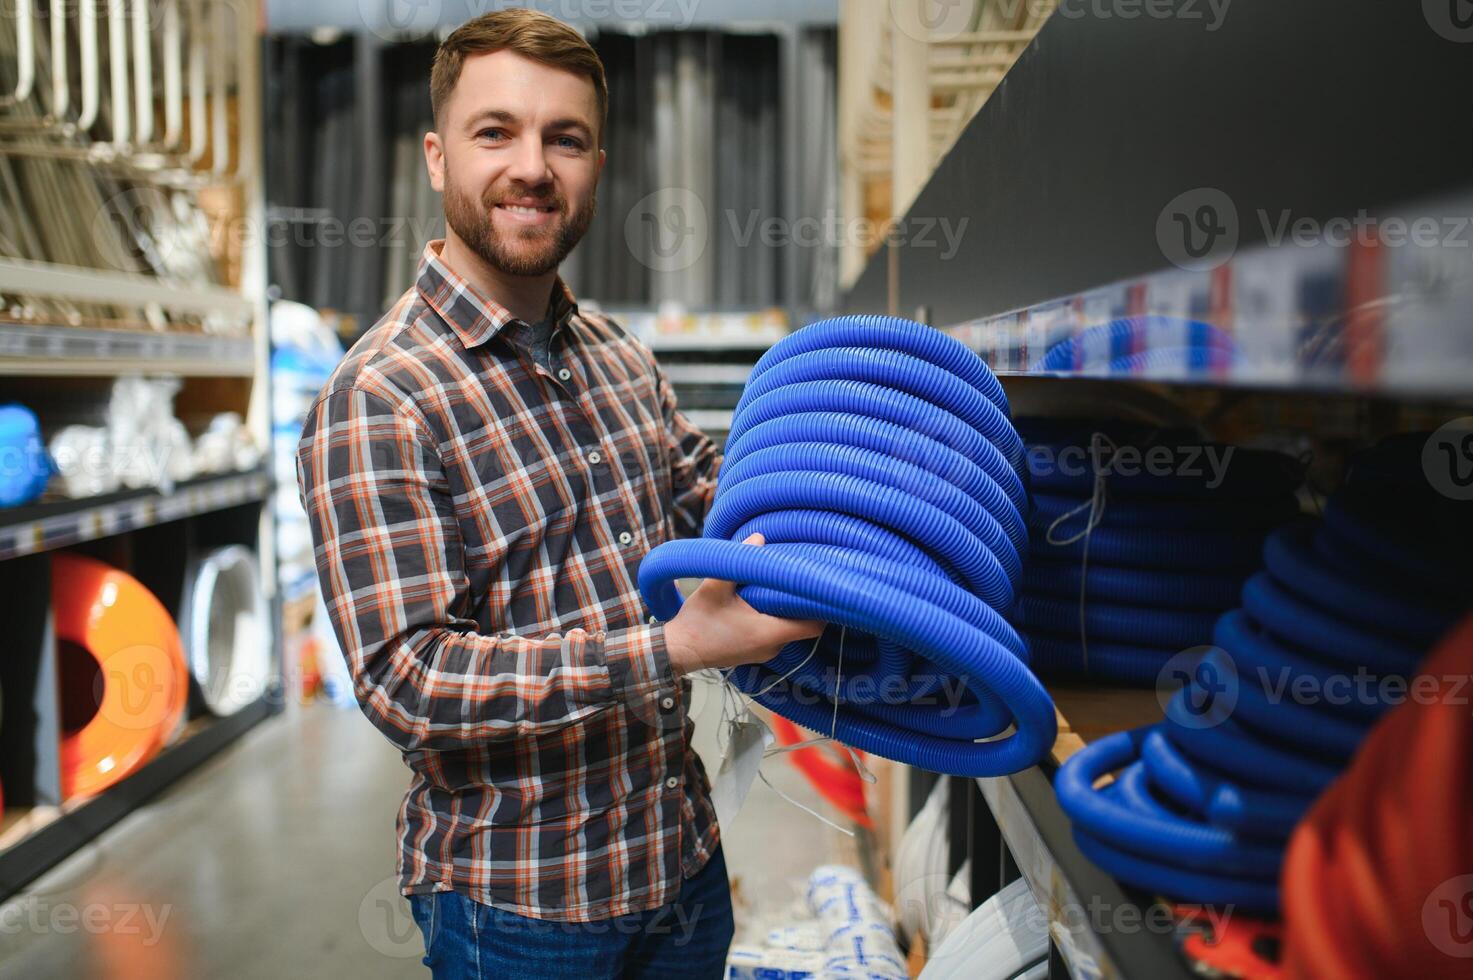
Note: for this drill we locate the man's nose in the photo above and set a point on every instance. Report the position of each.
(529, 163)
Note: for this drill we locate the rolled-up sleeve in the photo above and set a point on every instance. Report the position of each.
(391, 564)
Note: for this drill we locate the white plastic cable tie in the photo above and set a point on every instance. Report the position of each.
(859, 765)
(808, 743)
(811, 812)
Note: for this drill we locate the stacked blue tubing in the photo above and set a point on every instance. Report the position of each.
(1202, 805)
(1168, 557)
(877, 458)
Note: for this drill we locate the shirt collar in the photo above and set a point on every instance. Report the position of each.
(473, 316)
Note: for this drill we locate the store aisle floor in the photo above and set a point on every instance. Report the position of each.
(276, 859)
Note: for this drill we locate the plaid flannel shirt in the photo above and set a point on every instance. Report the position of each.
(478, 526)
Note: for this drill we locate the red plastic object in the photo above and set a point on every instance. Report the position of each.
(834, 776)
(1235, 946)
(122, 665)
(1378, 880)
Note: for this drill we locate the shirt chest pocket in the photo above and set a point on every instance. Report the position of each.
(522, 503)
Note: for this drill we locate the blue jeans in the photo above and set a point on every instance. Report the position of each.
(465, 940)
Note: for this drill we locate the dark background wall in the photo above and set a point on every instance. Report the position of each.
(1319, 107)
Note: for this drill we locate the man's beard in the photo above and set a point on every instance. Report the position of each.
(533, 252)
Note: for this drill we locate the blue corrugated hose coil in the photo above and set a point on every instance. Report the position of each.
(878, 459)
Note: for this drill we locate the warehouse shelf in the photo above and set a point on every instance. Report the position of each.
(708, 374)
(709, 420)
(50, 525)
(31, 350)
(1377, 314)
(19, 277)
(1098, 927)
(34, 839)
(679, 331)
(756, 340)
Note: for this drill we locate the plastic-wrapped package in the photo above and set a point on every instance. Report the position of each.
(858, 940)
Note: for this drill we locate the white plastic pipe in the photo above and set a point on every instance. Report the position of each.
(143, 69)
(225, 625)
(224, 28)
(173, 76)
(117, 40)
(199, 138)
(25, 58)
(91, 83)
(61, 92)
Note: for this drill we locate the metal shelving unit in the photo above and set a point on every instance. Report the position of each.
(1366, 317)
(1207, 221)
(66, 351)
(33, 840)
(61, 323)
(48, 526)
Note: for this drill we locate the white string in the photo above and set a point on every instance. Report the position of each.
(1096, 505)
(733, 703)
(808, 810)
(838, 680)
(811, 651)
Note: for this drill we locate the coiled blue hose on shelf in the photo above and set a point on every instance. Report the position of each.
(1225, 803)
(1161, 512)
(1267, 720)
(877, 458)
(1120, 663)
(1139, 540)
(1204, 549)
(1183, 589)
(1172, 628)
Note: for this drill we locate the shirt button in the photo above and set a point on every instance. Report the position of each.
(626, 538)
(667, 703)
(671, 783)
(595, 458)
(564, 374)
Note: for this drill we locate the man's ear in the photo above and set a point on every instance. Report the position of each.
(435, 161)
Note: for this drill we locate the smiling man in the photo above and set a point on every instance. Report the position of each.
(483, 474)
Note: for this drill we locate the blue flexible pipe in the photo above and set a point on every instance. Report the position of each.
(1269, 704)
(1256, 654)
(1258, 895)
(1376, 605)
(1169, 589)
(1222, 800)
(1070, 470)
(1223, 743)
(1245, 749)
(1168, 512)
(877, 458)
(1143, 625)
(1198, 549)
(897, 443)
(1323, 633)
(1149, 828)
(1064, 657)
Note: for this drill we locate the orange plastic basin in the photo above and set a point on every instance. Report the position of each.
(121, 655)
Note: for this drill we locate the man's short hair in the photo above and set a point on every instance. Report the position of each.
(531, 34)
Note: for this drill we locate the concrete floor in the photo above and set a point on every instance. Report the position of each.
(275, 860)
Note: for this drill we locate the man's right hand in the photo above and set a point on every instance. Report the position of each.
(717, 628)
